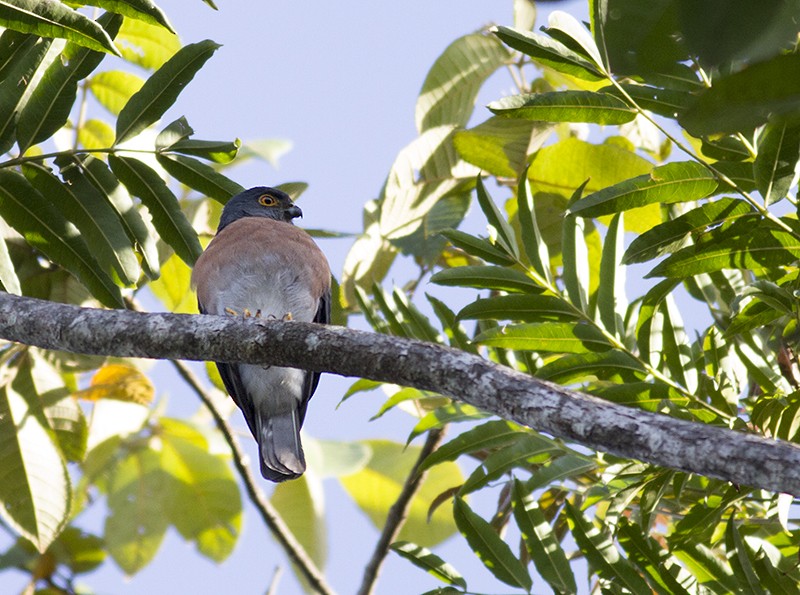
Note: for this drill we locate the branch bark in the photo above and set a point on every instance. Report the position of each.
(746, 459)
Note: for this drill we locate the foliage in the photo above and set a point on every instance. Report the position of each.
(715, 225)
(95, 209)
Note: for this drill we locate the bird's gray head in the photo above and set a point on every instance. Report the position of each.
(259, 202)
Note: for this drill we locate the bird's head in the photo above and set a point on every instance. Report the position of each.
(259, 202)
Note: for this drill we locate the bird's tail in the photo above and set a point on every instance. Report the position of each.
(279, 445)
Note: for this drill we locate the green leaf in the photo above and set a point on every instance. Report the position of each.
(611, 301)
(532, 240)
(106, 183)
(454, 331)
(746, 99)
(500, 146)
(549, 52)
(487, 545)
(739, 556)
(568, 30)
(452, 84)
(424, 172)
(55, 19)
(758, 250)
(477, 247)
(8, 275)
(527, 449)
(51, 102)
(114, 88)
(692, 226)
(602, 554)
(705, 564)
(27, 56)
(674, 182)
(214, 520)
(161, 90)
(146, 45)
(216, 151)
(565, 106)
(446, 414)
(47, 230)
(552, 337)
(488, 435)
(139, 490)
(91, 213)
(168, 219)
(604, 365)
(560, 168)
(774, 167)
(199, 176)
(541, 542)
(501, 232)
(650, 557)
(524, 308)
(645, 395)
(669, 103)
(376, 487)
(564, 467)
(487, 277)
(172, 288)
(144, 10)
(330, 458)
(35, 493)
(422, 557)
(575, 256)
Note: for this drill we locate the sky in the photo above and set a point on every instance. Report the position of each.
(340, 82)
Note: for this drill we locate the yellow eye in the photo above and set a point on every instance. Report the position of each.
(267, 200)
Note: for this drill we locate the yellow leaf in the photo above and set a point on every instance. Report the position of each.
(120, 382)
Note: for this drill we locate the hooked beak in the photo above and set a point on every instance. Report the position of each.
(292, 212)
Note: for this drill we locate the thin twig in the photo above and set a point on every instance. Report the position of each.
(272, 519)
(398, 514)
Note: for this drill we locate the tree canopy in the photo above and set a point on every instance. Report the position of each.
(646, 158)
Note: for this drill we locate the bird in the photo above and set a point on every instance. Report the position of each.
(260, 265)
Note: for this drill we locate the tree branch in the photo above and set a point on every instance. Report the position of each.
(398, 514)
(737, 457)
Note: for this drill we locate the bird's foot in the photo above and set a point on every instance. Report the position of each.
(246, 313)
(231, 311)
(287, 317)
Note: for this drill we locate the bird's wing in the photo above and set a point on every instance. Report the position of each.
(233, 384)
(323, 316)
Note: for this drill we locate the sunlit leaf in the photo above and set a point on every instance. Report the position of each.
(674, 182)
(524, 308)
(487, 277)
(452, 84)
(113, 88)
(431, 563)
(565, 106)
(120, 382)
(488, 435)
(376, 487)
(56, 19)
(149, 46)
(556, 337)
(549, 52)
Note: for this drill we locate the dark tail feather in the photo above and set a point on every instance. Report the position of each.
(280, 448)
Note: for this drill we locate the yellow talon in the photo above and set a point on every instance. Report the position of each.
(287, 317)
(231, 311)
